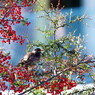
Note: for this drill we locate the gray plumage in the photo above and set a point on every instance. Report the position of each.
(31, 58)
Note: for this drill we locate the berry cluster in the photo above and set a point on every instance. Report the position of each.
(11, 15)
(57, 86)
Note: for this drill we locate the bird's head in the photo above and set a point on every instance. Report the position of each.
(37, 50)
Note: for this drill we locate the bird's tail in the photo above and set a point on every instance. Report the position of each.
(20, 64)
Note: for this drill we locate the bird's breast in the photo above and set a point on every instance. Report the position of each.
(25, 57)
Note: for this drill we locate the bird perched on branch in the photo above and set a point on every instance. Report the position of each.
(31, 58)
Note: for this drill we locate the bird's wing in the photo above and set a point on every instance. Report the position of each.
(26, 57)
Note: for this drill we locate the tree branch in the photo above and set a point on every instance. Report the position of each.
(93, 88)
(43, 82)
(54, 77)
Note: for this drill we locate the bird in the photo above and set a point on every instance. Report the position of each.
(31, 58)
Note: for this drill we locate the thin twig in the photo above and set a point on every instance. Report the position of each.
(6, 13)
(58, 4)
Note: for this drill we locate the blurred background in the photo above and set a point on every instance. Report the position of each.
(79, 7)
